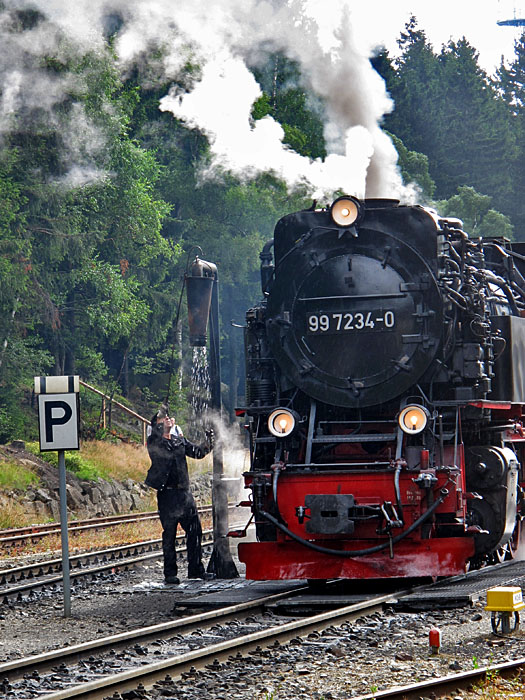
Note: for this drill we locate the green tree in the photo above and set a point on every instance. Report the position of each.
(298, 111)
(414, 168)
(477, 142)
(511, 83)
(474, 209)
(22, 354)
(447, 108)
(83, 226)
(414, 87)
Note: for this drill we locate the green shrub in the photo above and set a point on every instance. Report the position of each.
(7, 426)
(16, 476)
(83, 468)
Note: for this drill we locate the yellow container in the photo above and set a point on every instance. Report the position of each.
(504, 599)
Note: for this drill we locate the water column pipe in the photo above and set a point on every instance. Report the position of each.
(203, 304)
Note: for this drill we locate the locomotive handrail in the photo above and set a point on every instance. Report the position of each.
(339, 465)
(129, 411)
(393, 295)
(380, 437)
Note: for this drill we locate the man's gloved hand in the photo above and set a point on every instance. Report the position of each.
(210, 438)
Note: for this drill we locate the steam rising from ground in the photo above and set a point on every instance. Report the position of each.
(223, 39)
(235, 456)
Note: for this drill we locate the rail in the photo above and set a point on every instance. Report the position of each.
(129, 411)
(149, 673)
(17, 583)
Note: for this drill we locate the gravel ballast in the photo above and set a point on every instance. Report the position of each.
(374, 652)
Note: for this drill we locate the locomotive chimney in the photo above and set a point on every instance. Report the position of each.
(199, 286)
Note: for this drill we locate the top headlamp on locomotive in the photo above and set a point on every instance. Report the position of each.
(385, 388)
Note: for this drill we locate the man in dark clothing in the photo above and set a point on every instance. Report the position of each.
(168, 449)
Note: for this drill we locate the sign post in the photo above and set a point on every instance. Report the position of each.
(58, 419)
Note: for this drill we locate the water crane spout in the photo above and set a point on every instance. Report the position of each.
(199, 287)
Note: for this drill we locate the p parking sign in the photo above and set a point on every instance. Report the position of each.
(58, 414)
(58, 421)
(58, 418)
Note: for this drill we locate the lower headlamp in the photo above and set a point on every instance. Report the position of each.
(413, 419)
(281, 422)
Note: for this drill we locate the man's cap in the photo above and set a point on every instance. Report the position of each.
(162, 413)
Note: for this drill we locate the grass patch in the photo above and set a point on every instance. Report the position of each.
(123, 461)
(16, 476)
(12, 515)
(98, 459)
(117, 460)
(75, 462)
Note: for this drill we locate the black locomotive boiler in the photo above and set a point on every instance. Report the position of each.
(385, 394)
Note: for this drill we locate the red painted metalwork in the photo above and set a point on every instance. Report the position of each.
(423, 552)
(499, 405)
(368, 489)
(291, 560)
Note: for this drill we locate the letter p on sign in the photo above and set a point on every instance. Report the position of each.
(58, 420)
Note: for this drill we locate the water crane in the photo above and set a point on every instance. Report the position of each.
(517, 19)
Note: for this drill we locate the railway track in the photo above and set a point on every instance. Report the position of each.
(145, 644)
(17, 582)
(205, 650)
(14, 536)
(85, 670)
(130, 653)
(448, 684)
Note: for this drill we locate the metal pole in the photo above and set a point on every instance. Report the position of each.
(221, 563)
(63, 532)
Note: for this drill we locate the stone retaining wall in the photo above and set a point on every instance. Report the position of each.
(88, 499)
(85, 499)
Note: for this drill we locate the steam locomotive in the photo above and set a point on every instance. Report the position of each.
(385, 395)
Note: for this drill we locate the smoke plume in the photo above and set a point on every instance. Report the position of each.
(224, 40)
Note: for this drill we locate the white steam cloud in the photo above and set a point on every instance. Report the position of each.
(223, 39)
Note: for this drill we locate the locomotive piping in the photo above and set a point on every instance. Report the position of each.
(398, 493)
(274, 485)
(498, 281)
(358, 552)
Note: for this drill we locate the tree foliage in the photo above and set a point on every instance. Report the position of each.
(448, 109)
(511, 84)
(104, 202)
(477, 214)
(284, 99)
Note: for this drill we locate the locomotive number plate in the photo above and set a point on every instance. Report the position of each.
(318, 323)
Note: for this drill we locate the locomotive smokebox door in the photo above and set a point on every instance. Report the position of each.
(330, 514)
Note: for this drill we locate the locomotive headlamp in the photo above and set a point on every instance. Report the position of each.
(281, 422)
(346, 211)
(413, 419)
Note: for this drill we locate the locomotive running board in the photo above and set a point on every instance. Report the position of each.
(291, 560)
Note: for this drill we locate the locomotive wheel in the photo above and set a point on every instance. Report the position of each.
(508, 551)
